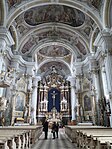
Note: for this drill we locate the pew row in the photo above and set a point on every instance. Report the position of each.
(90, 137)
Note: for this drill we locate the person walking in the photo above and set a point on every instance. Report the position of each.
(45, 128)
(57, 129)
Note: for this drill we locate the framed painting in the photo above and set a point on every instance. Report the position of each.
(20, 102)
(87, 103)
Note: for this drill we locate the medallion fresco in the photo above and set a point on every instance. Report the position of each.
(49, 51)
(54, 13)
(54, 51)
(60, 67)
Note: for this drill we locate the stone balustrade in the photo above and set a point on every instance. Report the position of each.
(19, 137)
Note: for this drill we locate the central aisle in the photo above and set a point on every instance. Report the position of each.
(59, 143)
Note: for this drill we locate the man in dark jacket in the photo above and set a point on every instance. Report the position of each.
(45, 128)
(57, 129)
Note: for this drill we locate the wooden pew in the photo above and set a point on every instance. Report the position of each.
(71, 131)
(87, 137)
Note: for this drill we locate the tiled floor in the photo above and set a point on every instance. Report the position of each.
(59, 143)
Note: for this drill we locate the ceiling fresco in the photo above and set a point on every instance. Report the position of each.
(41, 58)
(54, 51)
(94, 3)
(54, 13)
(61, 68)
(75, 31)
(35, 39)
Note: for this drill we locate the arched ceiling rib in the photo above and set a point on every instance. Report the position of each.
(86, 7)
(52, 31)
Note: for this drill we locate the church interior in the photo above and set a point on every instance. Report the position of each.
(55, 64)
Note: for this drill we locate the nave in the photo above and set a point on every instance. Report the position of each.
(58, 143)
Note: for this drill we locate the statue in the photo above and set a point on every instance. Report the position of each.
(53, 96)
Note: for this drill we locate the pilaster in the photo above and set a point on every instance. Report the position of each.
(34, 100)
(73, 97)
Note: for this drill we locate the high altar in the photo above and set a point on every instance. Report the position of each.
(54, 98)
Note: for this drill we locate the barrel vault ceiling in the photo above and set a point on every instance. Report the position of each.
(54, 32)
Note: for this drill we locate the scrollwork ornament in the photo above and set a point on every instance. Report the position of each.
(110, 52)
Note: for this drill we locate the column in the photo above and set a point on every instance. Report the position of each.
(104, 42)
(105, 83)
(34, 100)
(73, 98)
(108, 66)
(97, 94)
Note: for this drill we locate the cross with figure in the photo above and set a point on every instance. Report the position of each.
(54, 96)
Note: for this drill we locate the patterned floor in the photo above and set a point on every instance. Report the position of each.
(59, 143)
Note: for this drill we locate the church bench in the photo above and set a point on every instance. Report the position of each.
(85, 138)
(103, 143)
(97, 142)
(71, 131)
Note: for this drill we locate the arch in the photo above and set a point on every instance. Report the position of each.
(55, 60)
(2, 13)
(106, 14)
(43, 45)
(78, 5)
(92, 40)
(64, 29)
(14, 35)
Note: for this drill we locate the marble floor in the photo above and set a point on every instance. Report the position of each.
(62, 142)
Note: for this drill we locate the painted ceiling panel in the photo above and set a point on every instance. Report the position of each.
(60, 68)
(54, 51)
(54, 13)
(94, 3)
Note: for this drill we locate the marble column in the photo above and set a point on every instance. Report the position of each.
(96, 81)
(73, 98)
(108, 66)
(34, 100)
(97, 93)
(105, 83)
(104, 44)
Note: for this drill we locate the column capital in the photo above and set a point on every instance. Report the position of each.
(5, 38)
(72, 80)
(36, 79)
(104, 41)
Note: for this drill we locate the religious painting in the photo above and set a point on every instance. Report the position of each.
(87, 103)
(54, 13)
(20, 103)
(60, 67)
(96, 3)
(13, 2)
(54, 51)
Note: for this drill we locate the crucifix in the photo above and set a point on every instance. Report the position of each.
(54, 96)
